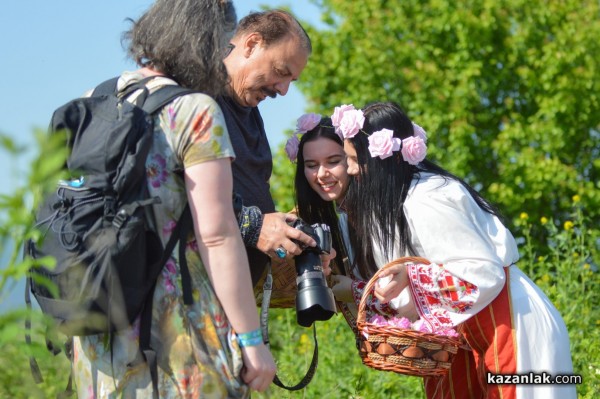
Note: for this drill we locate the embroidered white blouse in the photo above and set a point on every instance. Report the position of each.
(467, 246)
(468, 249)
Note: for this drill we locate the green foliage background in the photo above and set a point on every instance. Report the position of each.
(506, 89)
(508, 92)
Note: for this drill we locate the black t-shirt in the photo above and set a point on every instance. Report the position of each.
(253, 160)
(252, 167)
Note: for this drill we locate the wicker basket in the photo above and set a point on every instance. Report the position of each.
(404, 351)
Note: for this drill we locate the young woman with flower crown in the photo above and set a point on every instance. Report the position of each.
(320, 185)
(408, 206)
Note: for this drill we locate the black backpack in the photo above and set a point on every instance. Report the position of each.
(97, 223)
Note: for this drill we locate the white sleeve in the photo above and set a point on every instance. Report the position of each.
(467, 246)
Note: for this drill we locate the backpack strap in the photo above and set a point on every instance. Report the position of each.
(105, 88)
(154, 102)
(33, 364)
(180, 234)
(151, 104)
(110, 86)
(163, 96)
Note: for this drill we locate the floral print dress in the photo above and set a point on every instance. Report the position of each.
(196, 350)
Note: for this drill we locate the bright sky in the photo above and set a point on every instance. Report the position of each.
(53, 51)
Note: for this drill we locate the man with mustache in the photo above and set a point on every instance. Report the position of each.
(268, 51)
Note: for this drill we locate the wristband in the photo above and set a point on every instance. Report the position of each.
(251, 338)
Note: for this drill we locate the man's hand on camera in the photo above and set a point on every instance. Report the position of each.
(276, 235)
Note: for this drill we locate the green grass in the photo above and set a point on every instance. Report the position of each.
(567, 269)
(567, 273)
(340, 372)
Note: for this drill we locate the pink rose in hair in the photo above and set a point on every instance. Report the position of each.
(382, 143)
(414, 150)
(419, 132)
(338, 113)
(307, 122)
(352, 122)
(291, 147)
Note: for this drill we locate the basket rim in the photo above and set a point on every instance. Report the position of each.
(361, 315)
(362, 324)
(375, 329)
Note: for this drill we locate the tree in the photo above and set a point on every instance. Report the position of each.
(507, 90)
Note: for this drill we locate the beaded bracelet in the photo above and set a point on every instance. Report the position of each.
(251, 338)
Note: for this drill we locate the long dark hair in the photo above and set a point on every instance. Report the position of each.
(311, 207)
(185, 40)
(375, 201)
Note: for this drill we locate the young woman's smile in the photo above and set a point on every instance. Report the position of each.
(325, 168)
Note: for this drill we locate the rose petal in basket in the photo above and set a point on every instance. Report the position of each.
(404, 351)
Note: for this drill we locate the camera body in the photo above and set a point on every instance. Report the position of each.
(314, 300)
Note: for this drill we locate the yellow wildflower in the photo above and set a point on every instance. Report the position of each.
(544, 220)
(540, 258)
(569, 225)
(304, 340)
(523, 216)
(586, 266)
(576, 198)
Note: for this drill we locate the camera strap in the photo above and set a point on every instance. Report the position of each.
(264, 325)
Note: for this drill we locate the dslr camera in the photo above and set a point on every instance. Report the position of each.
(314, 300)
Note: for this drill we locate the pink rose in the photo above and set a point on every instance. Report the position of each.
(400, 322)
(338, 113)
(291, 147)
(421, 326)
(351, 123)
(307, 122)
(414, 150)
(378, 320)
(449, 333)
(418, 131)
(382, 143)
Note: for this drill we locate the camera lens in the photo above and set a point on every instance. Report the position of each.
(314, 300)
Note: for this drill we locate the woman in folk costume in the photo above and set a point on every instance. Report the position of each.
(408, 206)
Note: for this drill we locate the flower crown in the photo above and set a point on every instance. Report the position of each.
(348, 121)
(305, 123)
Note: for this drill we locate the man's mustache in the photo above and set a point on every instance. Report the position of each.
(270, 93)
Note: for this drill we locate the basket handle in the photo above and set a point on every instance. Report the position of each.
(361, 316)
